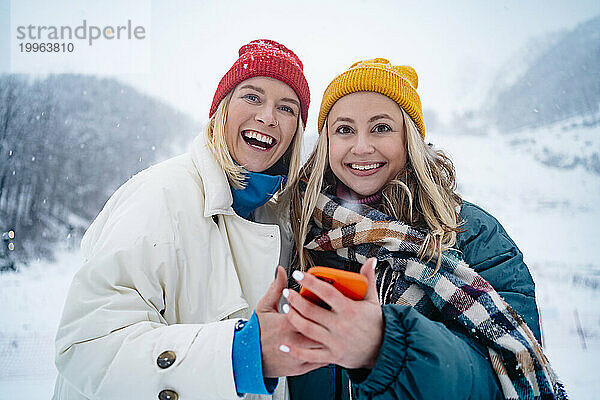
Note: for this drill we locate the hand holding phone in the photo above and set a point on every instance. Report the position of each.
(350, 284)
(351, 334)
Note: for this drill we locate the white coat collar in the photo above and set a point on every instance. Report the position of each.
(217, 193)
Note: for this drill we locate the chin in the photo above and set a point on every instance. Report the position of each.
(366, 192)
(254, 167)
(362, 193)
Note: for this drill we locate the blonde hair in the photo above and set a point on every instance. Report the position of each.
(236, 174)
(422, 194)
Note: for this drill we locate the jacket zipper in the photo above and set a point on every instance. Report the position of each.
(338, 382)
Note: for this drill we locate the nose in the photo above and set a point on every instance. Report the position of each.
(362, 144)
(265, 115)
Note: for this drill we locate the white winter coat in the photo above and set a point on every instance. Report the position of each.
(168, 266)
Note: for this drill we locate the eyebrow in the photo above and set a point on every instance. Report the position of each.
(293, 101)
(256, 88)
(344, 119)
(380, 116)
(373, 118)
(261, 91)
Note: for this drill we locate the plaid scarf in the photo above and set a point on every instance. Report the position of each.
(357, 232)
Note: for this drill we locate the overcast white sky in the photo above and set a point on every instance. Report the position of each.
(456, 47)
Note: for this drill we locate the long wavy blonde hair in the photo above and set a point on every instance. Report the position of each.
(421, 195)
(217, 144)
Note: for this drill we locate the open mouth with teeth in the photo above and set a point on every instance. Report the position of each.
(258, 140)
(365, 167)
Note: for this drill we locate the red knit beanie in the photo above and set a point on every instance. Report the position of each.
(266, 58)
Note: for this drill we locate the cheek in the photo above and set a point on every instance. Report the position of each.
(289, 130)
(397, 161)
(336, 159)
(335, 152)
(237, 113)
(231, 125)
(230, 133)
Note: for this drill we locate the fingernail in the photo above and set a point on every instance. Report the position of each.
(282, 301)
(285, 308)
(285, 293)
(298, 275)
(284, 348)
(374, 264)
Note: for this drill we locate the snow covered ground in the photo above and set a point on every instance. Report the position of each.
(551, 214)
(32, 303)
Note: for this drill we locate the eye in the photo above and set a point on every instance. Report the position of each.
(251, 97)
(343, 129)
(382, 128)
(287, 109)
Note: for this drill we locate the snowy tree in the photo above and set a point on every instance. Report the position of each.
(66, 143)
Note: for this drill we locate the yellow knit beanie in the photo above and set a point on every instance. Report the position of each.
(399, 83)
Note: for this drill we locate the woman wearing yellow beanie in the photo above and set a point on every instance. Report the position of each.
(450, 310)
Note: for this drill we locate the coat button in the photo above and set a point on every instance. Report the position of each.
(168, 395)
(239, 325)
(166, 359)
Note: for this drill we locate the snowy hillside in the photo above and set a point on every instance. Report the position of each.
(518, 64)
(550, 212)
(568, 144)
(552, 215)
(543, 185)
(558, 79)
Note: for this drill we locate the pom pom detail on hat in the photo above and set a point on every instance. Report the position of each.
(268, 58)
(399, 83)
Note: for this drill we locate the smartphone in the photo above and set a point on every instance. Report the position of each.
(350, 284)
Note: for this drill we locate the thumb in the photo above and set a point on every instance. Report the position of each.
(368, 270)
(270, 300)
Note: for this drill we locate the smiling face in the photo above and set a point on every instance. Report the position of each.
(262, 119)
(367, 141)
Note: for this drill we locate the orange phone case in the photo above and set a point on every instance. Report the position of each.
(350, 284)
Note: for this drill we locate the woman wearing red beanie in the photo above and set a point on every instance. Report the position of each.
(187, 248)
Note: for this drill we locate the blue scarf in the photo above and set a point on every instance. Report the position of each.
(259, 189)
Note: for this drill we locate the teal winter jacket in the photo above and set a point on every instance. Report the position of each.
(424, 359)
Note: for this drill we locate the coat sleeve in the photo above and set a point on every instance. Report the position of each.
(113, 328)
(488, 249)
(422, 359)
